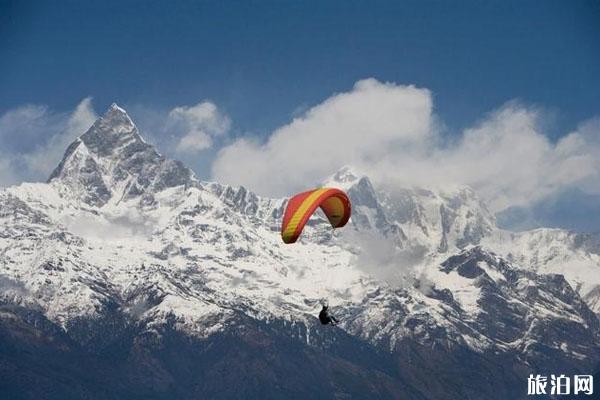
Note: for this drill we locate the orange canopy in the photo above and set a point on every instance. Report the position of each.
(334, 203)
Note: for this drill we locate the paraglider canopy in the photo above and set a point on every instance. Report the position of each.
(334, 203)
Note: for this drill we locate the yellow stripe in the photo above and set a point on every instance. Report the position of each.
(295, 220)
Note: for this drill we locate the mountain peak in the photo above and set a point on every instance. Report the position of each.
(112, 157)
(115, 107)
(114, 122)
(344, 178)
(345, 174)
(117, 116)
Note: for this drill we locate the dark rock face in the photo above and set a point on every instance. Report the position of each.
(116, 358)
(248, 360)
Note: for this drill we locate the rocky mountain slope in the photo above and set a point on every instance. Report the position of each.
(171, 287)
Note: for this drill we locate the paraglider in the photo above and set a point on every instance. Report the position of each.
(334, 203)
(337, 208)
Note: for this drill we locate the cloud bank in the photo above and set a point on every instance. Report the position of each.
(386, 130)
(390, 132)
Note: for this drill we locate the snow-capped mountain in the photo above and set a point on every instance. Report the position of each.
(122, 242)
(435, 223)
(111, 161)
(574, 255)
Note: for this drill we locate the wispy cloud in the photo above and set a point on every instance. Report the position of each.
(11, 287)
(130, 223)
(197, 125)
(380, 257)
(34, 138)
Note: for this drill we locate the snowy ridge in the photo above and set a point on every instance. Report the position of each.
(119, 225)
(554, 251)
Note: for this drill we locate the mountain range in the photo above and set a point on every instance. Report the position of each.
(126, 276)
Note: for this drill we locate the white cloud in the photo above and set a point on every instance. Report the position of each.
(390, 132)
(358, 128)
(199, 124)
(129, 224)
(380, 257)
(7, 175)
(33, 139)
(507, 158)
(582, 149)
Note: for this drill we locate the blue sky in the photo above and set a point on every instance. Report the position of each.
(262, 60)
(260, 64)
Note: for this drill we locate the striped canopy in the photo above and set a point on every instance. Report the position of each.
(334, 203)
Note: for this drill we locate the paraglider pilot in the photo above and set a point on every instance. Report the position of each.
(325, 317)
